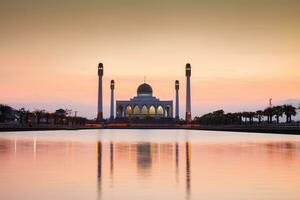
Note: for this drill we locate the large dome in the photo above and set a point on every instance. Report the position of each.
(144, 90)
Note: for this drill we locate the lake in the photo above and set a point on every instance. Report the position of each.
(149, 164)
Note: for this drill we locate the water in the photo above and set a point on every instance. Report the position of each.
(149, 164)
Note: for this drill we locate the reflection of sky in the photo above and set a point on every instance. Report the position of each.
(71, 168)
(150, 135)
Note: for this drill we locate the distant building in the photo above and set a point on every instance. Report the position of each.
(144, 105)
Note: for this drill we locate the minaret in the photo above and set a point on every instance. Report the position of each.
(100, 98)
(112, 88)
(177, 100)
(188, 114)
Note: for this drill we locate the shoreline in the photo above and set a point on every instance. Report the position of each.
(271, 129)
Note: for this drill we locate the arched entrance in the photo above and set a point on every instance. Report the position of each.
(144, 110)
(160, 110)
(128, 111)
(152, 110)
(136, 110)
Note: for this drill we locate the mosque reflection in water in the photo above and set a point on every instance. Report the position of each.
(145, 152)
(175, 169)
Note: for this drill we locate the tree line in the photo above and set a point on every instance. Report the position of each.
(27, 117)
(267, 115)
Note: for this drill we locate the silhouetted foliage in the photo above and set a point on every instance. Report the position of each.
(25, 117)
(269, 112)
(260, 116)
(219, 117)
(39, 114)
(289, 111)
(278, 111)
(5, 111)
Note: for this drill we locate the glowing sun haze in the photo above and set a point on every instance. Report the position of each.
(241, 52)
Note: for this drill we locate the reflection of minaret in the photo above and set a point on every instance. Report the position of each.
(100, 98)
(188, 169)
(15, 146)
(177, 160)
(112, 88)
(34, 149)
(111, 158)
(188, 115)
(99, 169)
(177, 100)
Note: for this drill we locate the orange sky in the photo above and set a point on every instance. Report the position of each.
(241, 52)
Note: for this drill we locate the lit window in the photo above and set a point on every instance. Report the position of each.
(160, 110)
(152, 110)
(144, 110)
(128, 111)
(136, 110)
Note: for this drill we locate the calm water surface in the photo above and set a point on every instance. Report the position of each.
(149, 164)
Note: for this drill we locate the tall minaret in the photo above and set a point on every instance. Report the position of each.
(100, 98)
(177, 100)
(188, 114)
(112, 88)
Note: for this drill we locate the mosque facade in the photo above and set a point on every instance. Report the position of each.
(144, 105)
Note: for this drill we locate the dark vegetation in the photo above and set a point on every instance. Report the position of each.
(39, 117)
(267, 116)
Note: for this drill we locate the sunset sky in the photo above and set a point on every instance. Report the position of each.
(241, 52)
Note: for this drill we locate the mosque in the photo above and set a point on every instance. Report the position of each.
(144, 104)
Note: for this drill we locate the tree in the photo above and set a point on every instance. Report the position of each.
(230, 118)
(39, 114)
(259, 115)
(251, 116)
(269, 113)
(239, 115)
(5, 110)
(24, 115)
(218, 112)
(289, 111)
(47, 116)
(218, 118)
(60, 115)
(246, 116)
(21, 113)
(278, 111)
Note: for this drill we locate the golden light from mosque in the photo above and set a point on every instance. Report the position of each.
(136, 110)
(144, 110)
(128, 111)
(144, 104)
(152, 110)
(160, 110)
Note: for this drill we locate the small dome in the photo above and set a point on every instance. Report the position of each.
(144, 90)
